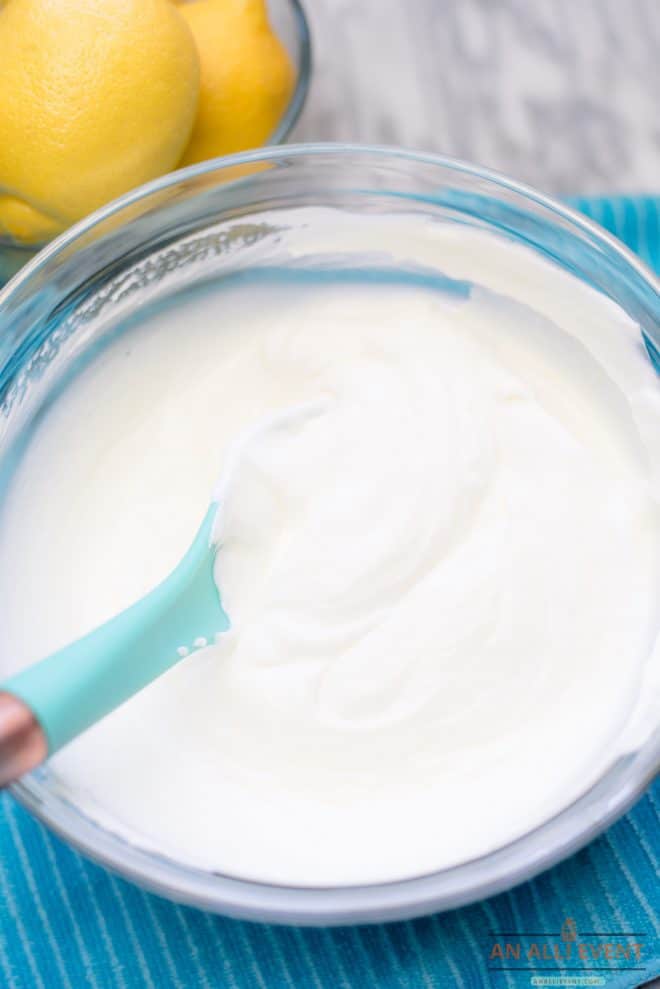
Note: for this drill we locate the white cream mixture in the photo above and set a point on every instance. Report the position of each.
(439, 551)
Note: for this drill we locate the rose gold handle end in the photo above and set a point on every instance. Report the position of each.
(23, 744)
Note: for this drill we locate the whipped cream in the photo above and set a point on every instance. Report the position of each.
(438, 546)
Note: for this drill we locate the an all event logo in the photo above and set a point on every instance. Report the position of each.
(567, 957)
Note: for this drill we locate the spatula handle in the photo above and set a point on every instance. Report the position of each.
(67, 692)
(22, 741)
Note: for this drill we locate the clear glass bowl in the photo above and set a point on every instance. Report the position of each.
(290, 23)
(165, 235)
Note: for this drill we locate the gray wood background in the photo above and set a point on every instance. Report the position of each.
(563, 94)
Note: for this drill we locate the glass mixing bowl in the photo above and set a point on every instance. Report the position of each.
(290, 23)
(166, 235)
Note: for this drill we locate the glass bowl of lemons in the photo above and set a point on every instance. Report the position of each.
(99, 99)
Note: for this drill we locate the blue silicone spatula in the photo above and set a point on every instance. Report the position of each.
(46, 705)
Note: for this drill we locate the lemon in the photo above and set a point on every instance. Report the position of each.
(246, 76)
(96, 97)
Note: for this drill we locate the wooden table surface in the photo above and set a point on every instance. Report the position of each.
(563, 94)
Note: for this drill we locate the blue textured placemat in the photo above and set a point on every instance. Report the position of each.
(67, 923)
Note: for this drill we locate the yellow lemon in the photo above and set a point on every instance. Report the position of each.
(246, 81)
(96, 97)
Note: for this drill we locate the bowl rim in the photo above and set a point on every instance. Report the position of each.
(274, 153)
(612, 794)
(304, 67)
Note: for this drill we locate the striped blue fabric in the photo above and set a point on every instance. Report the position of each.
(68, 924)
